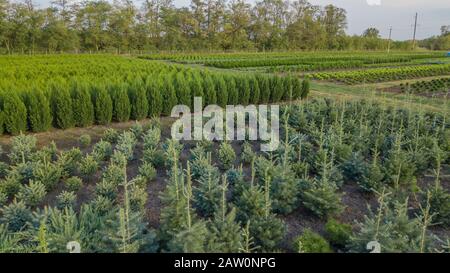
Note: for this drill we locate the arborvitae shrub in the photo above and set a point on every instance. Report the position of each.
(288, 92)
(14, 113)
(209, 90)
(121, 102)
(83, 110)
(182, 89)
(61, 104)
(168, 94)
(254, 90)
(233, 95)
(264, 88)
(277, 88)
(243, 89)
(221, 90)
(305, 88)
(297, 89)
(103, 105)
(38, 109)
(154, 97)
(138, 99)
(196, 86)
(311, 242)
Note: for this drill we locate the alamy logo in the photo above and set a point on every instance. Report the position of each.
(234, 123)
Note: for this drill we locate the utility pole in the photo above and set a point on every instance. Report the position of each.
(415, 31)
(389, 42)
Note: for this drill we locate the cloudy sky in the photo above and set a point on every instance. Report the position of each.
(396, 13)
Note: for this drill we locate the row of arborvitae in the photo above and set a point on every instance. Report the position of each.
(81, 102)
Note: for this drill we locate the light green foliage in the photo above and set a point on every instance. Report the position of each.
(311, 242)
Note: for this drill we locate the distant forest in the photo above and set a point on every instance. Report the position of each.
(209, 25)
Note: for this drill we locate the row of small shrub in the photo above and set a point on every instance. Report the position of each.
(83, 102)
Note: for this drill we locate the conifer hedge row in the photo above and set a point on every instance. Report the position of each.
(83, 101)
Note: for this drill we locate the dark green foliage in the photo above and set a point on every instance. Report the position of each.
(14, 113)
(196, 86)
(268, 232)
(355, 169)
(297, 88)
(221, 90)
(391, 226)
(288, 94)
(440, 205)
(254, 90)
(305, 88)
(226, 155)
(209, 90)
(226, 232)
(233, 95)
(311, 242)
(321, 197)
(83, 110)
(38, 109)
(16, 215)
(138, 99)
(154, 97)
(103, 105)
(243, 88)
(337, 233)
(182, 89)
(121, 102)
(168, 95)
(208, 193)
(264, 88)
(284, 191)
(277, 89)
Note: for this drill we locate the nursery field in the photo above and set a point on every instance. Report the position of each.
(87, 156)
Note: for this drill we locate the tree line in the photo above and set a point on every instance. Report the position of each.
(214, 25)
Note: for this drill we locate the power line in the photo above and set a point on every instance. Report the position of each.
(415, 31)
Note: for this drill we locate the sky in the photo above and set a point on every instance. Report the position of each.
(382, 14)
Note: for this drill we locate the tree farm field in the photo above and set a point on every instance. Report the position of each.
(87, 153)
